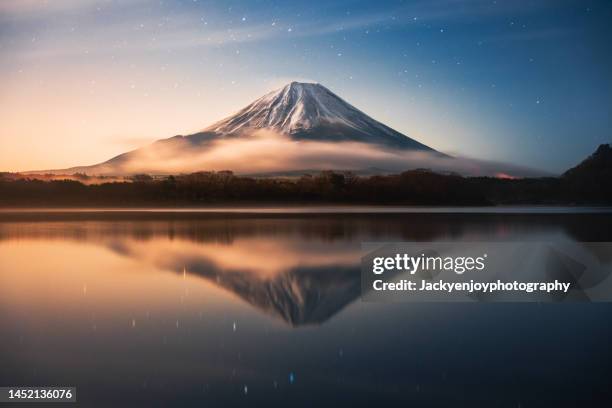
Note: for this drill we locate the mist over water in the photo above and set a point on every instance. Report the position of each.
(191, 308)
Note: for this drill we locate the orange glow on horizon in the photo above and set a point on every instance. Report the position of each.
(505, 176)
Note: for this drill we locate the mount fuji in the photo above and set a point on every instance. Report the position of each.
(303, 114)
(309, 111)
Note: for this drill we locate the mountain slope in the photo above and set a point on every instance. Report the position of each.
(296, 112)
(309, 111)
(590, 181)
(597, 165)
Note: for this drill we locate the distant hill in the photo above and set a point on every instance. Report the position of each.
(598, 165)
(591, 180)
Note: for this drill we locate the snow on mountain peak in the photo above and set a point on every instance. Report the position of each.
(311, 111)
(296, 106)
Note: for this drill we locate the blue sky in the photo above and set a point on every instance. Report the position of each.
(526, 82)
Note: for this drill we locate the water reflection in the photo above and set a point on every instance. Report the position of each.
(303, 269)
(203, 305)
(300, 282)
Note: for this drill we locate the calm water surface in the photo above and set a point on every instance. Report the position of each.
(223, 309)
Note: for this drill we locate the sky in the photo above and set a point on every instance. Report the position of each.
(524, 82)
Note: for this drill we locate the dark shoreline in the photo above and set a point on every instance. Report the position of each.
(224, 189)
(306, 212)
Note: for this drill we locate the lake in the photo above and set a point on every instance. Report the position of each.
(262, 307)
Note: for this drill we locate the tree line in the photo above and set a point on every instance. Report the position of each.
(415, 187)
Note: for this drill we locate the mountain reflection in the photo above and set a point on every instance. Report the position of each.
(302, 269)
(300, 282)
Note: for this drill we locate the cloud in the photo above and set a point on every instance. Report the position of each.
(268, 152)
(50, 33)
(41, 8)
(539, 34)
(141, 25)
(30, 7)
(469, 10)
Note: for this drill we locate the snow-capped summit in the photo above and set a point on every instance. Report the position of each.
(294, 107)
(311, 111)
